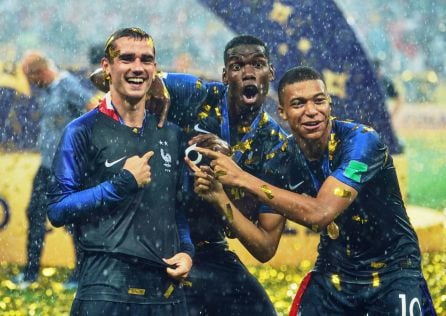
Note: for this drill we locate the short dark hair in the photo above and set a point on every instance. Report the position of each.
(298, 74)
(131, 32)
(244, 40)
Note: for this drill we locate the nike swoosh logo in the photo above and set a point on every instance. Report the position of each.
(109, 164)
(293, 187)
(198, 129)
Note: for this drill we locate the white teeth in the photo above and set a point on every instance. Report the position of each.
(135, 80)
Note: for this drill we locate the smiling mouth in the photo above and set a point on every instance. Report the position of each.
(135, 80)
(311, 123)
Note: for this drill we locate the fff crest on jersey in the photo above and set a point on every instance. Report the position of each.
(167, 158)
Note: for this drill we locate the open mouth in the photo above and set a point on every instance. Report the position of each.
(250, 92)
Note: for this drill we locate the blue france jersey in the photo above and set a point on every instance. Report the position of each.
(375, 232)
(201, 106)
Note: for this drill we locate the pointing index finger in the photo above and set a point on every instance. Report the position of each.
(207, 152)
(191, 165)
(148, 155)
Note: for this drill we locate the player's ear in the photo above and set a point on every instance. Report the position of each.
(282, 113)
(224, 76)
(272, 72)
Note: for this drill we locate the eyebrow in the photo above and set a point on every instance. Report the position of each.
(133, 55)
(312, 97)
(253, 55)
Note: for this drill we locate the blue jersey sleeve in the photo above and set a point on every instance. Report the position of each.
(187, 93)
(69, 200)
(266, 209)
(363, 155)
(186, 244)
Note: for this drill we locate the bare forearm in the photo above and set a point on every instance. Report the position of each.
(256, 240)
(302, 209)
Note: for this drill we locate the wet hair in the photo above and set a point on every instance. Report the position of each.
(131, 32)
(297, 74)
(244, 40)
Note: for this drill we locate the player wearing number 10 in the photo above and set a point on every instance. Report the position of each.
(369, 260)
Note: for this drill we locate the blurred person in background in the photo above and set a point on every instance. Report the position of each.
(391, 94)
(389, 89)
(60, 98)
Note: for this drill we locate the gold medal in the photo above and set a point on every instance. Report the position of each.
(333, 230)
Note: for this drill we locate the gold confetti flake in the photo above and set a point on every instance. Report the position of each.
(244, 129)
(218, 113)
(150, 42)
(243, 146)
(136, 291)
(228, 213)
(237, 193)
(220, 173)
(377, 265)
(358, 219)
(376, 281)
(268, 192)
(207, 107)
(264, 119)
(185, 283)
(367, 129)
(169, 291)
(336, 281)
(270, 155)
(113, 52)
(342, 193)
(332, 145)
